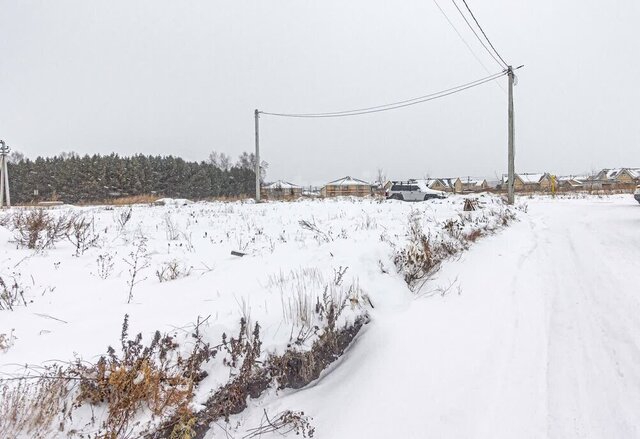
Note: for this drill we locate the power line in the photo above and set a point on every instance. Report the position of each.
(453, 26)
(461, 37)
(394, 105)
(501, 64)
(483, 33)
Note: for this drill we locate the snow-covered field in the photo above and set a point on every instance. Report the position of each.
(76, 301)
(533, 332)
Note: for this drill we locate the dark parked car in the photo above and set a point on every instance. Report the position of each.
(636, 194)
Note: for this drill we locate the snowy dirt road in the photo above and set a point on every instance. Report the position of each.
(537, 336)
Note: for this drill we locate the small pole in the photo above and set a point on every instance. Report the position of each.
(511, 165)
(1, 177)
(6, 181)
(4, 174)
(257, 118)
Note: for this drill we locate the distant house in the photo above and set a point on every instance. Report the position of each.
(279, 190)
(547, 183)
(518, 183)
(530, 182)
(469, 184)
(619, 177)
(572, 182)
(440, 184)
(347, 186)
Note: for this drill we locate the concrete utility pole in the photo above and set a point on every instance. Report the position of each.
(257, 117)
(511, 165)
(4, 174)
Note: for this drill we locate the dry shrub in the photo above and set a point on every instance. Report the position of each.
(82, 234)
(422, 256)
(138, 261)
(418, 259)
(157, 379)
(38, 229)
(34, 409)
(250, 380)
(294, 369)
(154, 377)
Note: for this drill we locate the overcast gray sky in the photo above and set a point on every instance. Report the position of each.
(183, 78)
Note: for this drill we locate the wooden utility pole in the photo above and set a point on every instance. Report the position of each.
(511, 165)
(257, 117)
(4, 175)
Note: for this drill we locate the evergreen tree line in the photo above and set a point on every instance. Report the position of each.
(71, 178)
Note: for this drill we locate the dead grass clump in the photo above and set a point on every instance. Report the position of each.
(172, 270)
(473, 235)
(283, 423)
(105, 265)
(128, 200)
(172, 230)
(507, 216)
(311, 226)
(7, 341)
(11, 295)
(122, 218)
(454, 228)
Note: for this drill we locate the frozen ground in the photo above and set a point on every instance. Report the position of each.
(532, 333)
(539, 338)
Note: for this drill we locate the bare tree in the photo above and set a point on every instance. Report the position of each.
(16, 156)
(248, 161)
(220, 160)
(381, 177)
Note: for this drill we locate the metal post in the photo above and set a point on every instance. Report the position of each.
(257, 117)
(4, 174)
(511, 165)
(1, 178)
(6, 181)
